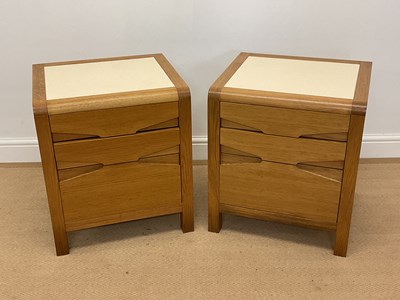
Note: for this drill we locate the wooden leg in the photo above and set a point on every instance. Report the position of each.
(185, 129)
(214, 150)
(61, 241)
(51, 181)
(341, 242)
(214, 222)
(187, 223)
(349, 184)
(214, 215)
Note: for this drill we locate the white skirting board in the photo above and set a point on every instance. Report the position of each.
(19, 150)
(26, 150)
(380, 146)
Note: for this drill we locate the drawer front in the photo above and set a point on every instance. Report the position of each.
(283, 149)
(113, 150)
(114, 121)
(103, 195)
(285, 122)
(310, 194)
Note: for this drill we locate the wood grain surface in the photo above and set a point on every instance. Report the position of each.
(362, 89)
(162, 125)
(113, 150)
(214, 159)
(117, 189)
(276, 217)
(162, 159)
(48, 162)
(65, 174)
(329, 173)
(185, 131)
(114, 121)
(283, 149)
(284, 122)
(280, 188)
(110, 101)
(349, 184)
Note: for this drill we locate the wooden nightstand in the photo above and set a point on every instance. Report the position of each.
(284, 141)
(115, 142)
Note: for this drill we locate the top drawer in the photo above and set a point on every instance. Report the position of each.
(113, 121)
(285, 122)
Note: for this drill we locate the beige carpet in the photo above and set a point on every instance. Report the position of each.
(152, 259)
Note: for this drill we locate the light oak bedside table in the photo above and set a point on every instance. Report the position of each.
(115, 142)
(284, 141)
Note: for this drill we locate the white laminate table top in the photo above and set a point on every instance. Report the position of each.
(105, 77)
(296, 76)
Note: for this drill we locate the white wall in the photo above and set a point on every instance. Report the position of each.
(200, 38)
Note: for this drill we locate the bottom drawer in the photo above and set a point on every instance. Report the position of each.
(121, 192)
(308, 195)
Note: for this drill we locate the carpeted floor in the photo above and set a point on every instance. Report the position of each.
(152, 259)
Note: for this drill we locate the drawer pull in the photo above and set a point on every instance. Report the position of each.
(234, 156)
(280, 149)
(331, 174)
(75, 172)
(338, 137)
(63, 137)
(114, 150)
(229, 150)
(334, 164)
(234, 125)
(167, 156)
(227, 158)
(162, 159)
(72, 172)
(162, 125)
(172, 150)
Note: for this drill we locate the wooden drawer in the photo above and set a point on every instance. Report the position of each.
(308, 195)
(113, 150)
(285, 122)
(113, 193)
(113, 121)
(283, 149)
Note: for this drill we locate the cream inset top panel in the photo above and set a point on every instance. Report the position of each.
(96, 78)
(293, 76)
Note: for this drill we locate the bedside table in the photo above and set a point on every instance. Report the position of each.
(115, 142)
(284, 141)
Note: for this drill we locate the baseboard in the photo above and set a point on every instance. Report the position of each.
(19, 150)
(199, 148)
(380, 146)
(26, 150)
